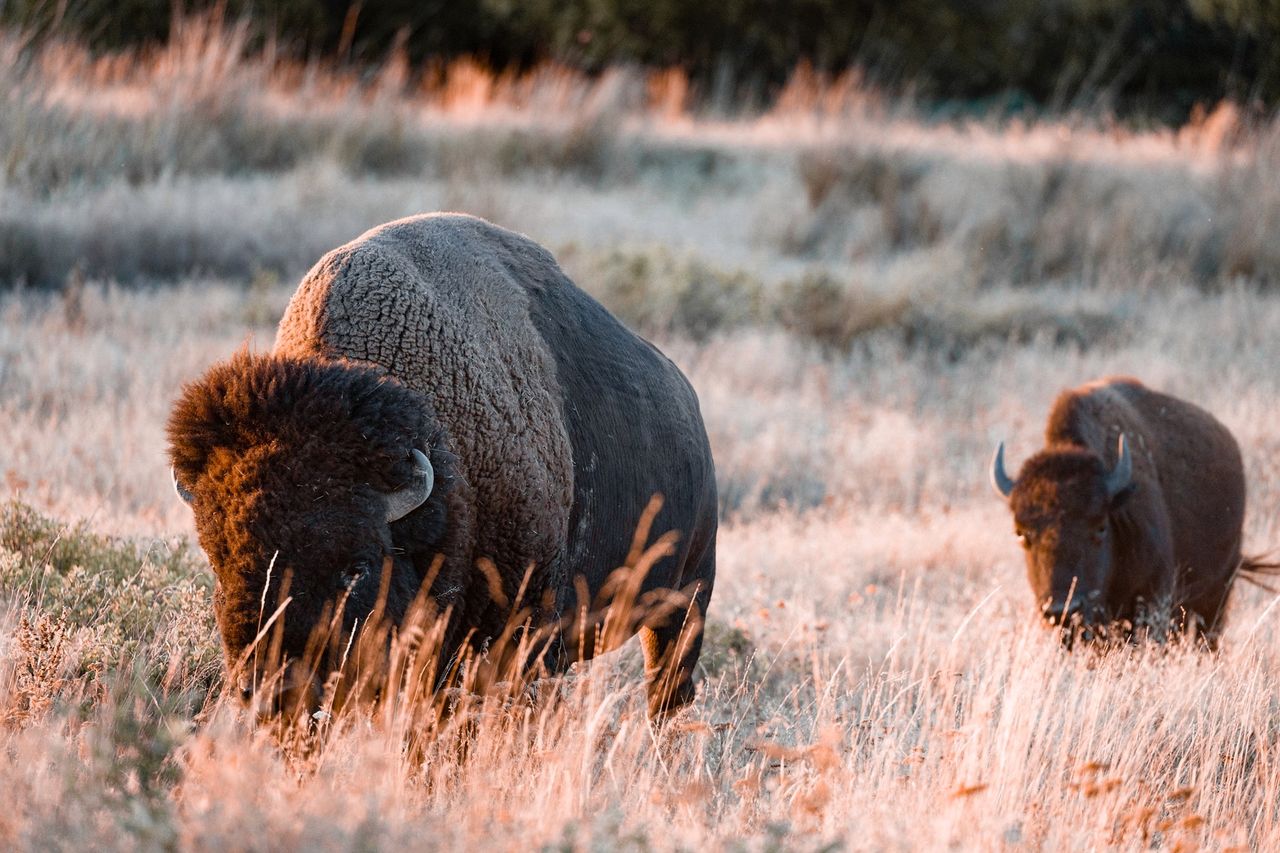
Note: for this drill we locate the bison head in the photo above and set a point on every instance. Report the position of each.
(1063, 504)
(306, 479)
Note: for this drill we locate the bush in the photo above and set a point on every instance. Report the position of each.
(819, 308)
(1070, 218)
(658, 292)
(661, 293)
(114, 596)
(835, 316)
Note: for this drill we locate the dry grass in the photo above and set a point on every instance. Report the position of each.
(207, 157)
(865, 304)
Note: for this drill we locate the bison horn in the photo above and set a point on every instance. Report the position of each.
(1121, 475)
(405, 501)
(1000, 479)
(186, 496)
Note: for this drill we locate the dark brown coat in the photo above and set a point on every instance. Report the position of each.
(549, 424)
(1160, 546)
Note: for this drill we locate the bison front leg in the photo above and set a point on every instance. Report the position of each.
(672, 645)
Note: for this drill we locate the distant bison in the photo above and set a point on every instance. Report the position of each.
(438, 387)
(1133, 509)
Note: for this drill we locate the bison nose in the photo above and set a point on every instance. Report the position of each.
(299, 691)
(292, 692)
(1061, 613)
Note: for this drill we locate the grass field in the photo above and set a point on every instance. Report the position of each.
(865, 300)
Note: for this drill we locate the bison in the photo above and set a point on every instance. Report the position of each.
(1132, 513)
(445, 413)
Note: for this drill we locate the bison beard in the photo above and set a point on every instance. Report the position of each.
(436, 477)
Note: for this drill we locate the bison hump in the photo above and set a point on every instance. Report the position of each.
(441, 302)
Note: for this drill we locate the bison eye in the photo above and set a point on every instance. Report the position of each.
(353, 574)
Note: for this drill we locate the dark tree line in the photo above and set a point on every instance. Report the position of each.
(1147, 56)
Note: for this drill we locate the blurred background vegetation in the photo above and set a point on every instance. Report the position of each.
(1139, 58)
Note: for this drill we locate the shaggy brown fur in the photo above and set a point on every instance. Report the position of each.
(552, 424)
(1172, 538)
(277, 500)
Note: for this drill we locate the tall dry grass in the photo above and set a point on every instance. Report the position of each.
(865, 301)
(902, 718)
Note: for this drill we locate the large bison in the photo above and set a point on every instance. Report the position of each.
(439, 388)
(1132, 514)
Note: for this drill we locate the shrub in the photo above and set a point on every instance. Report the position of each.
(659, 292)
(113, 595)
(819, 308)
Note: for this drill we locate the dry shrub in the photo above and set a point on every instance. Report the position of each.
(385, 144)
(586, 142)
(38, 676)
(809, 94)
(839, 181)
(820, 308)
(667, 93)
(660, 292)
(834, 314)
(1001, 319)
(209, 104)
(1061, 218)
(190, 108)
(111, 595)
(1249, 200)
(1215, 130)
(852, 174)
